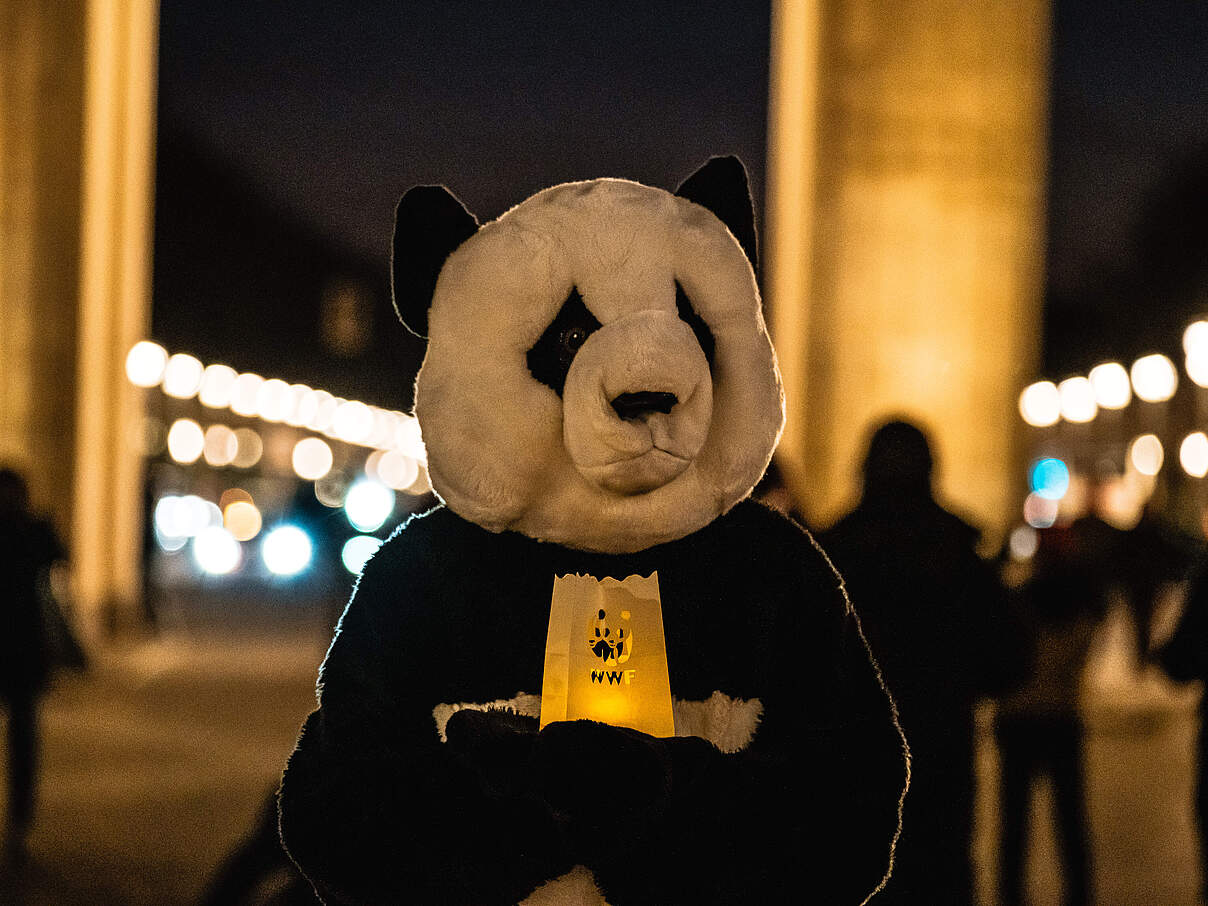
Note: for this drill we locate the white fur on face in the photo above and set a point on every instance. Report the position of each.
(505, 452)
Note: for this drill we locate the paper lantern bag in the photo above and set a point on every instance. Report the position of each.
(605, 654)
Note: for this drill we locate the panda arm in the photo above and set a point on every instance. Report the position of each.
(808, 811)
(374, 808)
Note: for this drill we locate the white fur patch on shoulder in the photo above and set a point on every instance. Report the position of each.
(728, 723)
(522, 703)
(575, 888)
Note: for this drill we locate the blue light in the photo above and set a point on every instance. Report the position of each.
(357, 551)
(1050, 478)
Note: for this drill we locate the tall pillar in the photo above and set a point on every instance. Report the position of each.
(905, 209)
(76, 135)
(41, 82)
(115, 301)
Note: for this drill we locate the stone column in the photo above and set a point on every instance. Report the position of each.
(905, 207)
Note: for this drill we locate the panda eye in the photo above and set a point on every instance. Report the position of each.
(570, 341)
(551, 356)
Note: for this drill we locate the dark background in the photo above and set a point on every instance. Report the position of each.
(288, 131)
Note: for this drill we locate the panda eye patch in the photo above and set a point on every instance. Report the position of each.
(550, 358)
(688, 315)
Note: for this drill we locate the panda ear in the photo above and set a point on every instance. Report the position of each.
(429, 224)
(721, 186)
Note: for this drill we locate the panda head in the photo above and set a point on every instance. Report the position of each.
(598, 371)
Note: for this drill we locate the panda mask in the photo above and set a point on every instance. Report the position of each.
(598, 371)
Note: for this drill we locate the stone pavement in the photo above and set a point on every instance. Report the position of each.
(157, 761)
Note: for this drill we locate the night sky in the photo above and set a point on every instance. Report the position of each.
(335, 109)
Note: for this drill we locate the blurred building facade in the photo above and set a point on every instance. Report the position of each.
(906, 220)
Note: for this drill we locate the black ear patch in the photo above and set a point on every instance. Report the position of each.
(549, 359)
(688, 315)
(721, 186)
(429, 224)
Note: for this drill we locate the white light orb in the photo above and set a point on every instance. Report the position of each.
(1112, 387)
(216, 551)
(186, 441)
(357, 551)
(325, 406)
(1145, 454)
(251, 448)
(312, 458)
(245, 395)
(165, 517)
(1077, 400)
(145, 363)
(368, 504)
(1197, 369)
(221, 445)
(1193, 454)
(410, 442)
(1040, 512)
(1039, 404)
(286, 550)
(217, 386)
(273, 400)
(397, 470)
(1154, 378)
(182, 376)
(242, 519)
(1023, 543)
(353, 422)
(1195, 339)
(302, 407)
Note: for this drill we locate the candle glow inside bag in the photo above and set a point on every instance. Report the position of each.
(606, 656)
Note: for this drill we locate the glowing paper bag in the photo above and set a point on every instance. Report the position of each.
(605, 654)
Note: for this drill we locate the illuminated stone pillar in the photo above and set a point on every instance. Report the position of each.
(905, 211)
(76, 134)
(115, 301)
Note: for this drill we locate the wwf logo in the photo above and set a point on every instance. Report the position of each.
(610, 640)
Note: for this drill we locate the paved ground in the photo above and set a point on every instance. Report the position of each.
(158, 760)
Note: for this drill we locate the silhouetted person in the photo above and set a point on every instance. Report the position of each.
(1185, 658)
(935, 617)
(1039, 725)
(28, 547)
(1154, 555)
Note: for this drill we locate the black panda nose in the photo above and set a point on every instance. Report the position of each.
(635, 405)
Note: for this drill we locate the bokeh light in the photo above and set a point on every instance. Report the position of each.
(251, 448)
(216, 551)
(182, 376)
(1193, 454)
(242, 519)
(1145, 454)
(1077, 400)
(1039, 404)
(274, 400)
(1050, 478)
(145, 363)
(286, 550)
(1023, 543)
(217, 386)
(397, 470)
(221, 445)
(1113, 390)
(357, 551)
(245, 395)
(1154, 378)
(353, 422)
(312, 458)
(1195, 339)
(186, 441)
(1039, 512)
(368, 504)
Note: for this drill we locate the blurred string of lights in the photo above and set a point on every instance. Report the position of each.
(217, 532)
(1080, 400)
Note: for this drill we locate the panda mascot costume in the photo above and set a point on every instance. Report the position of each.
(598, 397)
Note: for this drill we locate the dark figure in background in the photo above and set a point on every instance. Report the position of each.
(935, 616)
(1185, 658)
(1039, 724)
(28, 548)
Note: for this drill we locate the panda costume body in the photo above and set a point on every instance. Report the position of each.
(599, 396)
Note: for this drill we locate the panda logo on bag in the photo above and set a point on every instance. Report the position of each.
(612, 644)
